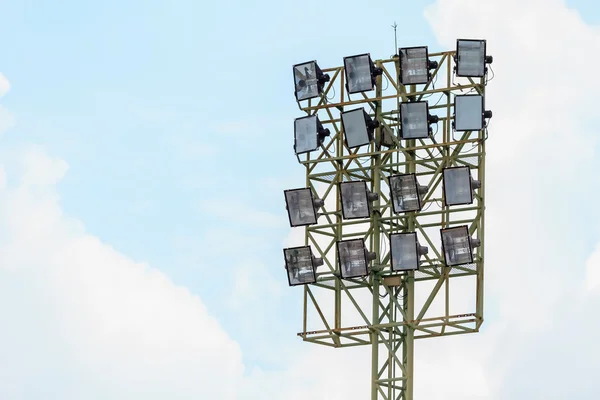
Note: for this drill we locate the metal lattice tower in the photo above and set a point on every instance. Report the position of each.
(389, 310)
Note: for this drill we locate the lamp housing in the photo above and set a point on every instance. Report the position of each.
(415, 65)
(301, 206)
(360, 73)
(405, 192)
(415, 120)
(353, 258)
(458, 186)
(471, 58)
(359, 127)
(356, 199)
(309, 134)
(405, 251)
(469, 113)
(456, 246)
(301, 265)
(309, 80)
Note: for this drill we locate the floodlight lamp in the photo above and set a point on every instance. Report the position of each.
(457, 245)
(353, 258)
(469, 113)
(301, 265)
(309, 134)
(471, 58)
(458, 186)
(360, 73)
(302, 206)
(415, 65)
(406, 193)
(358, 127)
(309, 80)
(356, 199)
(415, 120)
(406, 251)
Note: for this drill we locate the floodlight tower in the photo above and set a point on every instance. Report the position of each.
(393, 203)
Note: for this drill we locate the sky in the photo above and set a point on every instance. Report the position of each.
(144, 148)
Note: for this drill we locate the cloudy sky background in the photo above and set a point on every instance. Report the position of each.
(143, 151)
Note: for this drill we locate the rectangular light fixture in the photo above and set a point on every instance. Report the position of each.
(470, 58)
(405, 193)
(353, 258)
(308, 134)
(405, 251)
(356, 199)
(414, 119)
(468, 112)
(358, 127)
(456, 245)
(300, 207)
(301, 265)
(414, 65)
(309, 80)
(458, 186)
(359, 73)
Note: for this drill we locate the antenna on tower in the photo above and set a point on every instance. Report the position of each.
(395, 26)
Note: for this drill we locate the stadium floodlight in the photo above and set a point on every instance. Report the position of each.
(415, 65)
(458, 186)
(406, 192)
(405, 251)
(301, 265)
(358, 127)
(356, 199)
(469, 114)
(458, 246)
(302, 206)
(309, 80)
(360, 73)
(415, 120)
(309, 134)
(471, 58)
(353, 258)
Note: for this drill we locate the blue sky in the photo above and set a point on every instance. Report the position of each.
(175, 119)
(159, 107)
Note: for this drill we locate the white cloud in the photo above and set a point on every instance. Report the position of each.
(124, 329)
(7, 120)
(4, 85)
(540, 122)
(592, 279)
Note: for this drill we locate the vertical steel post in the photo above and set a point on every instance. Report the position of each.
(376, 246)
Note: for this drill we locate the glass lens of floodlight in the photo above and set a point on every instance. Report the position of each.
(405, 195)
(414, 120)
(404, 251)
(355, 203)
(457, 186)
(358, 73)
(305, 134)
(305, 77)
(355, 128)
(352, 258)
(301, 210)
(471, 58)
(468, 113)
(299, 265)
(414, 66)
(457, 248)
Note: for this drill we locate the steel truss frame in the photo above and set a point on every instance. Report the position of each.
(387, 316)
